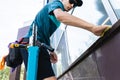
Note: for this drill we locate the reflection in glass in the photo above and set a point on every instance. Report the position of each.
(116, 6)
(76, 41)
(85, 70)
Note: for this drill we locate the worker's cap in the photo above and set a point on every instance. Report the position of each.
(76, 2)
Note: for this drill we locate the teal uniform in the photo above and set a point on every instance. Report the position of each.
(46, 24)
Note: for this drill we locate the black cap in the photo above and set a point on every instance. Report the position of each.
(76, 2)
(79, 2)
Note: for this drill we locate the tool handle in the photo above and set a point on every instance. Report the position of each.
(39, 44)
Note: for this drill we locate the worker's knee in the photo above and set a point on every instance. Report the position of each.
(51, 78)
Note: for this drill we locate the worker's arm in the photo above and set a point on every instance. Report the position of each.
(69, 19)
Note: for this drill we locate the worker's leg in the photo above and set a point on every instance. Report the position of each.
(50, 78)
(45, 70)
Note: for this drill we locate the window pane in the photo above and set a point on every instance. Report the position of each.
(80, 40)
(116, 6)
(76, 41)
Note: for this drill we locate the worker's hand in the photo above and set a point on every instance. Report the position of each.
(100, 30)
(53, 57)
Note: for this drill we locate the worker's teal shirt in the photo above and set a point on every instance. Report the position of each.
(46, 22)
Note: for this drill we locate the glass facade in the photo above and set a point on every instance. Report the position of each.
(116, 7)
(71, 42)
(112, 9)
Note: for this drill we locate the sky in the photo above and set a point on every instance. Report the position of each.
(13, 14)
